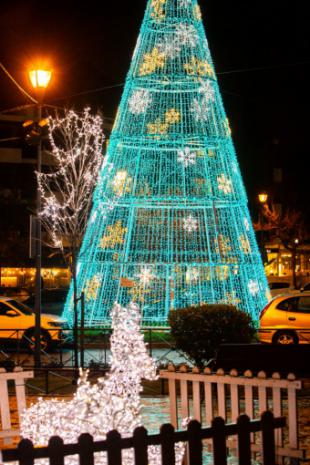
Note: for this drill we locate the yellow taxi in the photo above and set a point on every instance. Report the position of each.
(17, 322)
(286, 320)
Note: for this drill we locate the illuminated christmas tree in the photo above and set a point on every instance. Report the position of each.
(170, 225)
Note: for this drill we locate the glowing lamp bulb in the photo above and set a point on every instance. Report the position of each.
(40, 78)
(263, 197)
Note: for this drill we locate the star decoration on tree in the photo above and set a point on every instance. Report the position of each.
(139, 101)
(115, 236)
(190, 224)
(224, 244)
(232, 299)
(186, 34)
(146, 276)
(151, 61)
(169, 47)
(198, 68)
(172, 116)
(253, 287)
(158, 12)
(224, 184)
(158, 127)
(197, 13)
(91, 287)
(200, 109)
(121, 183)
(207, 91)
(192, 275)
(245, 244)
(246, 224)
(186, 157)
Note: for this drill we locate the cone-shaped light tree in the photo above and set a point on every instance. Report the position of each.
(170, 225)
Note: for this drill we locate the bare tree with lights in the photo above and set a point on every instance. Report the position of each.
(76, 142)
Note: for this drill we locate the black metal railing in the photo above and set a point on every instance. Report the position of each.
(86, 448)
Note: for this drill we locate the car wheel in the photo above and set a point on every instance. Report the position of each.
(285, 338)
(29, 340)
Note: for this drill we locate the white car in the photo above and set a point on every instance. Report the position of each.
(17, 323)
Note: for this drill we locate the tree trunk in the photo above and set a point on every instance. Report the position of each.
(293, 262)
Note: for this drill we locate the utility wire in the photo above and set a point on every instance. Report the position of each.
(232, 71)
(263, 68)
(23, 91)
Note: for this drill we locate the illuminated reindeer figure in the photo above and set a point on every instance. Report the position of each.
(111, 403)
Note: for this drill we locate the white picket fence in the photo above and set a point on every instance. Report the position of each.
(205, 395)
(18, 376)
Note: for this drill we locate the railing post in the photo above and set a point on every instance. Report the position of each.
(86, 449)
(140, 446)
(244, 440)
(167, 445)
(25, 452)
(82, 329)
(56, 451)
(219, 442)
(194, 443)
(268, 442)
(114, 448)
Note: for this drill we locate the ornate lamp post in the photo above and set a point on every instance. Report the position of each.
(40, 79)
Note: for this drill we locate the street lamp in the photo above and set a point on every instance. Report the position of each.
(262, 197)
(40, 79)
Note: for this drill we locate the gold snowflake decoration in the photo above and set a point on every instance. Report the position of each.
(222, 272)
(172, 116)
(198, 67)
(138, 292)
(158, 12)
(224, 244)
(91, 287)
(232, 299)
(151, 61)
(114, 236)
(211, 153)
(121, 183)
(245, 244)
(158, 127)
(197, 13)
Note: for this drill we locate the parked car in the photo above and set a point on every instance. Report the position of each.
(286, 320)
(16, 315)
(19, 293)
(52, 301)
(306, 287)
(279, 287)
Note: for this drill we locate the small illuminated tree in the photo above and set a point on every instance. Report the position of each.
(66, 191)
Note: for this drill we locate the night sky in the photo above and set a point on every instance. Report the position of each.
(91, 47)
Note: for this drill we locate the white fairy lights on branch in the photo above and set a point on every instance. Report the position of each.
(66, 192)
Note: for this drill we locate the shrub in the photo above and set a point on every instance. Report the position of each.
(198, 331)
